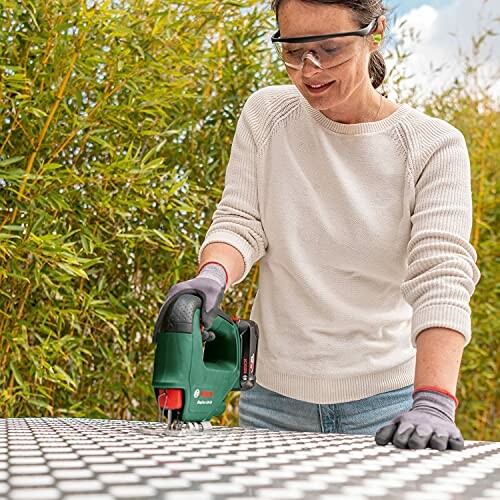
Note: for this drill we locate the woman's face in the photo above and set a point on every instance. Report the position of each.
(298, 18)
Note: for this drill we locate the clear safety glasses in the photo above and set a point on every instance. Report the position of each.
(333, 50)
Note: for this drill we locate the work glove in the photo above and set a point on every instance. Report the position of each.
(429, 423)
(210, 285)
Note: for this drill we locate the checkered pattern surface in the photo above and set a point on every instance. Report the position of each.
(87, 459)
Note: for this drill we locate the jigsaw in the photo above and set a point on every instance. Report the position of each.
(196, 368)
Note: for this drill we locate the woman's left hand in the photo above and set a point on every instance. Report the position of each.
(429, 423)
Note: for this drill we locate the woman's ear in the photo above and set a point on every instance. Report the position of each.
(378, 35)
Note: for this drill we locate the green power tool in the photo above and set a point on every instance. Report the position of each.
(192, 377)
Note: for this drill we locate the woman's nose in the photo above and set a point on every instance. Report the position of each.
(310, 65)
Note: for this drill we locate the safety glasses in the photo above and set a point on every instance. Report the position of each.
(333, 50)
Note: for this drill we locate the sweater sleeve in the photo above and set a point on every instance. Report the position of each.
(442, 272)
(236, 220)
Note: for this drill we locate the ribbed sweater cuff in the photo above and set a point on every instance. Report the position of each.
(235, 240)
(442, 315)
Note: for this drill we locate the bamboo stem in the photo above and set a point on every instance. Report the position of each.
(487, 403)
(483, 419)
(23, 301)
(250, 290)
(479, 205)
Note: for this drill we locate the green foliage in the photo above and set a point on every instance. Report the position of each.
(471, 109)
(116, 126)
(115, 122)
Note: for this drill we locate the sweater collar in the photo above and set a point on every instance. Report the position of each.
(356, 128)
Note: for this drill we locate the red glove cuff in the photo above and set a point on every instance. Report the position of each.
(435, 389)
(213, 262)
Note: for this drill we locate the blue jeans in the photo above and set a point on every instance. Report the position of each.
(261, 407)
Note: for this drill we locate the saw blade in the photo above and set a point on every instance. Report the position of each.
(177, 428)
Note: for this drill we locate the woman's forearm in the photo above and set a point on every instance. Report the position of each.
(226, 255)
(439, 354)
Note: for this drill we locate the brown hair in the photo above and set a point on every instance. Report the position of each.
(364, 11)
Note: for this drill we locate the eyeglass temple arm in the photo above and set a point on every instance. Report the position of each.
(371, 25)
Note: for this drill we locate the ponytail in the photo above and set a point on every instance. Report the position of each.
(376, 69)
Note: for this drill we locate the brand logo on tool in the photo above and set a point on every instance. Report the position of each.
(203, 394)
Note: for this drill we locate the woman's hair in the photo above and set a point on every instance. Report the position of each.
(364, 11)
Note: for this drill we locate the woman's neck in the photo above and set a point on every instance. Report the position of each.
(362, 109)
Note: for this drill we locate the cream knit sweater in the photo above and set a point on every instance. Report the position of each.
(363, 230)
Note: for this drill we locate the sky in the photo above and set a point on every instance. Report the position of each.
(403, 6)
(437, 21)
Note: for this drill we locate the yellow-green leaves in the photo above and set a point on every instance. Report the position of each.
(115, 132)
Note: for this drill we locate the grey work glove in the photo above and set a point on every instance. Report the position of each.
(429, 423)
(209, 285)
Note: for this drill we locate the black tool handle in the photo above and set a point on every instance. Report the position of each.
(176, 314)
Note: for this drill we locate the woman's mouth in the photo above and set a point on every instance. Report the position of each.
(317, 89)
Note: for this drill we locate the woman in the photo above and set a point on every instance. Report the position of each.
(360, 209)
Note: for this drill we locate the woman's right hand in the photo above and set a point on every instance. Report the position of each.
(209, 285)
